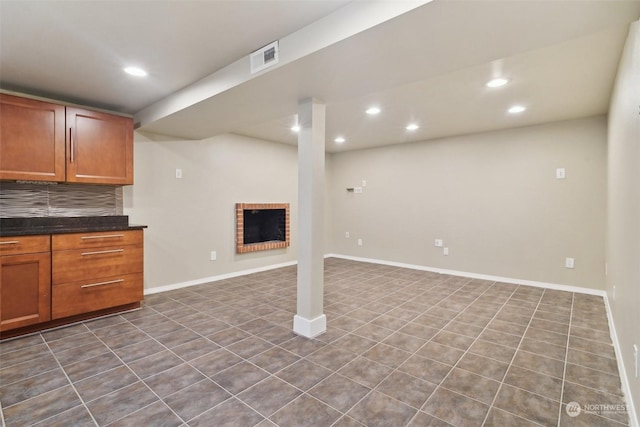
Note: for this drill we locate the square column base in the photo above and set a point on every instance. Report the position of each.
(309, 328)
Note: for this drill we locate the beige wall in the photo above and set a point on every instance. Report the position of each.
(190, 217)
(492, 197)
(623, 226)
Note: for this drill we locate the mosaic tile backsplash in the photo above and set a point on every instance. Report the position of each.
(29, 199)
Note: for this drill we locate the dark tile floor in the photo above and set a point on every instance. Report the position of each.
(402, 347)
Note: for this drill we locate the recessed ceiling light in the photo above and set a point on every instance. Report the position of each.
(372, 111)
(340, 139)
(135, 71)
(295, 128)
(412, 126)
(497, 82)
(517, 109)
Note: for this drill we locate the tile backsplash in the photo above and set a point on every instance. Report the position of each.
(30, 199)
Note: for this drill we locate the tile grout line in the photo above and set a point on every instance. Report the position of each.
(2, 416)
(134, 373)
(566, 358)
(371, 389)
(245, 289)
(465, 352)
(206, 377)
(524, 333)
(486, 327)
(347, 332)
(442, 329)
(83, 403)
(30, 376)
(233, 395)
(431, 340)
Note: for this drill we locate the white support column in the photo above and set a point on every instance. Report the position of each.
(310, 320)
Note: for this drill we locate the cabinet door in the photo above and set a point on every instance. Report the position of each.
(100, 148)
(32, 139)
(25, 290)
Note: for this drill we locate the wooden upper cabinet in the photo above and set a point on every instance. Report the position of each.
(32, 139)
(43, 141)
(100, 147)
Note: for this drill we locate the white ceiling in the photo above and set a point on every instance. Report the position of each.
(428, 65)
(76, 49)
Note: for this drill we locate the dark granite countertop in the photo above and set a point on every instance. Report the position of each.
(59, 225)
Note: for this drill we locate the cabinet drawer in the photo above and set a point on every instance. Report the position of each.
(61, 242)
(84, 264)
(24, 245)
(86, 296)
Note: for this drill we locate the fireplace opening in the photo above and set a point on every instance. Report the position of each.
(262, 226)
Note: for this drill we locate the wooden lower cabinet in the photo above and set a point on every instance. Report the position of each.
(52, 280)
(25, 281)
(82, 297)
(95, 271)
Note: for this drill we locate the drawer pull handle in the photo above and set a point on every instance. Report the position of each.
(102, 283)
(112, 251)
(10, 242)
(106, 236)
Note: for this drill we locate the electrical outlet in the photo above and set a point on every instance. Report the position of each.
(178, 173)
(560, 173)
(357, 190)
(346, 234)
(568, 262)
(438, 243)
(445, 251)
(359, 242)
(213, 256)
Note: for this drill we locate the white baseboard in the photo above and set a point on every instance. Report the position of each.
(309, 328)
(555, 286)
(626, 387)
(204, 280)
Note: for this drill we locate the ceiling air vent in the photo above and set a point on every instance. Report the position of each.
(264, 57)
